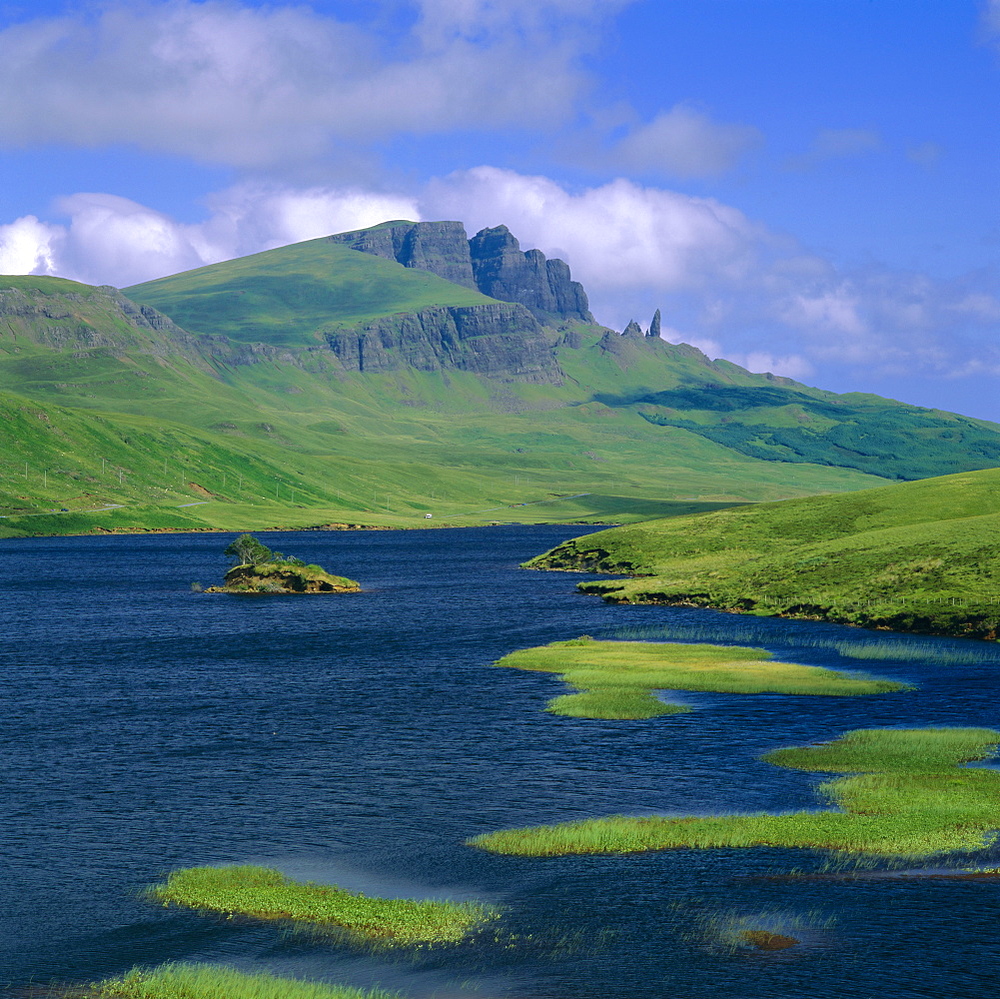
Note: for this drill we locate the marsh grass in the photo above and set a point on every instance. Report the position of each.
(263, 893)
(880, 648)
(616, 680)
(732, 931)
(907, 797)
(204, 981)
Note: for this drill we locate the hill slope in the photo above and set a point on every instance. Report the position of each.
(919, 556)
(466, 407)
(292, 295)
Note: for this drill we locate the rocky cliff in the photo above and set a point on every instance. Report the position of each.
(501, 340)
(503, 271)
(491, 262)
(439, 247)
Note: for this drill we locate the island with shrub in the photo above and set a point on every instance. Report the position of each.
(259, 570)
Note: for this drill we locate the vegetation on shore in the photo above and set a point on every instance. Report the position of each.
(205, 981)
(616, 680)
(260, 570)
(908, 796)
(918, 556)
(264, 893)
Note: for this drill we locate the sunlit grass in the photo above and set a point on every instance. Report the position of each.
(263, 893)
(204, 981)
(917, 557)
(908, 797)
(616, 679)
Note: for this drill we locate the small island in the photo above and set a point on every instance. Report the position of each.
(259, 570)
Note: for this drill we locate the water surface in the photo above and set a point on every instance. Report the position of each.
(361, 738)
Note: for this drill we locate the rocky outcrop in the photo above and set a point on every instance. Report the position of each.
(439, 247)
(655, 326)
(492, 262)
(500, 340)
(503, 271)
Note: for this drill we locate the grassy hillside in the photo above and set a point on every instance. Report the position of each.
(246, 391)
(151, 424)
(921, 556)
(288, 296)
(793, 423)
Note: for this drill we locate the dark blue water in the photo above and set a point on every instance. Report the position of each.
(360, 739)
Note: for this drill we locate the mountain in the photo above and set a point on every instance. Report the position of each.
(367, 378)
(492, 262)
(916, 556)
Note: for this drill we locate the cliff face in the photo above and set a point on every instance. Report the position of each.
(491, 262)
(502, 340)
(439, 247)
(65, 315)
(544, 286)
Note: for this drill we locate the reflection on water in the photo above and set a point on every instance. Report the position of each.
(362, 739)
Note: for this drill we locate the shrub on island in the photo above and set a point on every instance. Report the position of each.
(260, 570)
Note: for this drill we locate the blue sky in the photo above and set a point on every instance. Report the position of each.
(803, 186)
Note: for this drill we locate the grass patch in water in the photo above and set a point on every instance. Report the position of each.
(204, 981)
(616, 680)
(263, 893)
(907, 796)
(897, 649)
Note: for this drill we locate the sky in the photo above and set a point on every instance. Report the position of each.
(807, 187)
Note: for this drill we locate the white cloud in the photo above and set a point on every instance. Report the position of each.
(271, 86)
(112, 240)
(27, 247)
(725, 283)
(762, 362)
(686, 143)
(615, 236)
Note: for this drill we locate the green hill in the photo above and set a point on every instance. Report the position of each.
(919, 556)
(291, 295)
(333, 384)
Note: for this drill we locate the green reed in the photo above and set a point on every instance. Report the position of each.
(263, 893)
(907, 796)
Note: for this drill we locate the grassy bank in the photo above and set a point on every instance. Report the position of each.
(920, 556)
(203, 981)
(907, 797)
(263, 893)
(617, 679)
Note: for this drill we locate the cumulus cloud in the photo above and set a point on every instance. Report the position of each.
(112, 240)
(685, 142)
(725, 283)
(615, 236)
(27, 247)
(265, 86)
